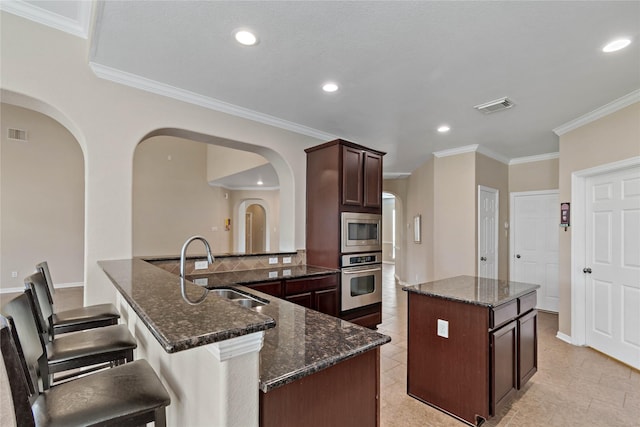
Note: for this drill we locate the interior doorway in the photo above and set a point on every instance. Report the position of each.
(255, 229)
(389, 240)
(488, 232)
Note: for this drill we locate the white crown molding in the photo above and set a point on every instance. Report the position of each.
(238, 346)
(471, 149)
(138, 82)
(605, 110)
(531, 159)
(254, 188)
(396, 175)
(78, 27)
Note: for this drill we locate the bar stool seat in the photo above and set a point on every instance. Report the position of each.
(83, 318)
(126, 395)
(78, 319)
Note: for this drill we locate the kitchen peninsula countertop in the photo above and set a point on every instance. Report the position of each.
(240, 277)
(473, 290)
(297, 342)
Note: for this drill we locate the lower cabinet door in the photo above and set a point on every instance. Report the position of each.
(327, 301)
(504, 354)
(527, 347)
(304, 299)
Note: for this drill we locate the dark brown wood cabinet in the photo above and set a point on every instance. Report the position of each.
(320, 293)
(341, 177)
(489, 353)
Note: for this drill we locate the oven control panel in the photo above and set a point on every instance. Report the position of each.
(361, 259)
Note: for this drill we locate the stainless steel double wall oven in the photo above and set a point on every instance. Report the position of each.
(361, 259)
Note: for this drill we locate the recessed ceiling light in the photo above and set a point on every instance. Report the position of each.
(246, 37)
(616, 45)
(330, 87)
(260, 182)
(444, 129)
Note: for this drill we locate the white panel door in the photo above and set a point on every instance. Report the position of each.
(534, 244)
(613, 264)
(487, 232)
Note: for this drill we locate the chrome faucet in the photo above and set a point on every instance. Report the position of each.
(183, 253)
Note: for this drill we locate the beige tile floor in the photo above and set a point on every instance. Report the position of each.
(574, 386)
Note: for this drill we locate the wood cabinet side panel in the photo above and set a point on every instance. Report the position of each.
(345, 394)
(323, 207)
(449, 373)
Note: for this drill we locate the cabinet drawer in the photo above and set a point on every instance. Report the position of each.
(308, 284)
(527, 302)
(503, 313)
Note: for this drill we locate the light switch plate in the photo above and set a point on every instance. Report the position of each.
(201, 265)
(202, 281)
(443, 328)
(286, 260)
(286, 272)
(273, 274)
(273, 260)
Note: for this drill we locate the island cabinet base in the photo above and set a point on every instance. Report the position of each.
(451, 374)
(346, 394)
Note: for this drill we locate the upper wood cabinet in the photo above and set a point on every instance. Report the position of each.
(361, 178)
(341, 177)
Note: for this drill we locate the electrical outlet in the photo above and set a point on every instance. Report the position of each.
(286, 272)
(273, 274)
(273, 260)
(443, 328)
(14, 274)
(202, 281)
(201, 265)
(286, 260)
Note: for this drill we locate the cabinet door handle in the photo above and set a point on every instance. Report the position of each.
(483, 258)
(518, 256)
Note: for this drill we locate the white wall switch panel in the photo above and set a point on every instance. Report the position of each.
(443, 328)
(273, 260)
(14, 274)
(286, 272)
(286, 260)
(273, 274)
(202, 281)
(201, 265)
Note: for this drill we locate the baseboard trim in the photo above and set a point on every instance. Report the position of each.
(11, 290)
(564, 337)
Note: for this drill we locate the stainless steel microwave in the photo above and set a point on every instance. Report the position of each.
(361, 232)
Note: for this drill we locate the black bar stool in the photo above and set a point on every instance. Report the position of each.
(127, 395)
(78, 319)
(107, 345)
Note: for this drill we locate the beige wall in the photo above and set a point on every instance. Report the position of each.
(534, 176)
(42, 200)
(454, 218)
(172, 200)
(108, 120)
(495, 174)
(388, 206)
(223, 161)
(419, 257)
(612, 138)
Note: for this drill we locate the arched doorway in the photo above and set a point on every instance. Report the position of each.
(255, 229)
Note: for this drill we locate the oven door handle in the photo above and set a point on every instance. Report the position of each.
(353, 271)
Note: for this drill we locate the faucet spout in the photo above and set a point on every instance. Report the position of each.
(183, 252)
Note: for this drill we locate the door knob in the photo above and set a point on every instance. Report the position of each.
(586, 270)
(518, 256)
(483, 258)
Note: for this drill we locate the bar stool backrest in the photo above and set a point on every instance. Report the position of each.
(44, 310)
(43, 268)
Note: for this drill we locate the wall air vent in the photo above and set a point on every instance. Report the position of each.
(17, 134)
(495, 105)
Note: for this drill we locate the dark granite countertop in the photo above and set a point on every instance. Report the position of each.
(155, 295)
(240, 277)
(302, 342)
(473, 290)
(218, 255)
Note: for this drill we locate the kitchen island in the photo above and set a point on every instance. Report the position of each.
(472, 343)
(302, 352)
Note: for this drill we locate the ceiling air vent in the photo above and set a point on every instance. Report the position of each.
(17, 134)
(495, 105)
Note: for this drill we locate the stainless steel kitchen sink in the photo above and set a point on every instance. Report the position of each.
(239, 297)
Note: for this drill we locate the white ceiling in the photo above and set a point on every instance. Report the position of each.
(404, 68)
